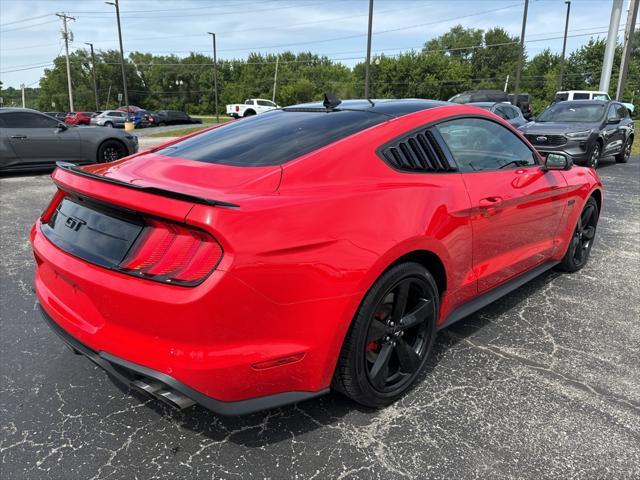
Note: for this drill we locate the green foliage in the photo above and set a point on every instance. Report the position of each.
(461, 59)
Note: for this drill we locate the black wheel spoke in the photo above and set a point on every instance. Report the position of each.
(579, 252)
(377, 330)
(586, 216)
(589, 233)
(400, 297)
(380, 370)
(417, 316)
(409, 359)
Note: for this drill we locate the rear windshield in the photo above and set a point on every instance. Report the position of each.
(272, 138)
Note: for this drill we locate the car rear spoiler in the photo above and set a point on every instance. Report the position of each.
(75, 169)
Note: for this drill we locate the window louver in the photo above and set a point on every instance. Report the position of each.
(418, 152)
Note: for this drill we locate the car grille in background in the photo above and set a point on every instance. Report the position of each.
(418, 152)
(551, 140)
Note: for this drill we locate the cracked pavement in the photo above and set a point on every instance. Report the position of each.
(544, 383)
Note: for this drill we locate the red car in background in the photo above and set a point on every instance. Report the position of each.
(263, 262)
(78, 118)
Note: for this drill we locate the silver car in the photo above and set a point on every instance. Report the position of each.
(109, 118)
(31, 140)
(504, 110)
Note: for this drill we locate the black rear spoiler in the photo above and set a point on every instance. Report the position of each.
(73, 168)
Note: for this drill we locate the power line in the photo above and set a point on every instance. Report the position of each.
(26, 27)
(25, 20)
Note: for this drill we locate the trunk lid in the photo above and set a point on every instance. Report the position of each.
(198, 179)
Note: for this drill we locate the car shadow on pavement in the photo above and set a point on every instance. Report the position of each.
(282, 424)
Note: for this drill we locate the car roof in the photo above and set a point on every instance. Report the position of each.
(17, 109)
(391, 107)
(487, 104)
(587, 102)
(582, 91)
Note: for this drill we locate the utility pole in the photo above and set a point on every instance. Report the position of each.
(215, 75)
(24, 104)
(632, 15)
(93, 71)
(366, 66)
(275, 80)
(65, 35)
(610, 50)
(124, 76)
(506, 84)
(564, 44)
(521, 54)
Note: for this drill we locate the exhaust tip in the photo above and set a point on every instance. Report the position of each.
(162, 392)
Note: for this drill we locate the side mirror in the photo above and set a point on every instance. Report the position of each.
(62, 127)
(612, 120)
(557, 161)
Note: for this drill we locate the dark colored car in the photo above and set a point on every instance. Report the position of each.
(474, 96)
(322, 246)
(506, 111)
(585, 130)
(78, 118)
(524, 104)
(172, 117)
(32, 140)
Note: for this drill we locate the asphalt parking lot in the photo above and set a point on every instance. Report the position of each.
(544, 383)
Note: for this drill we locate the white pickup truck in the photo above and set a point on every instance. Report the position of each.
(251, 106)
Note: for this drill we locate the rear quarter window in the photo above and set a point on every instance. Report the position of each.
(272, 138)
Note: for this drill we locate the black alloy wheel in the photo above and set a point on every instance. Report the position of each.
(623, 156)
(110, 151)
(582, 238)
(594, 158)
(390, 338)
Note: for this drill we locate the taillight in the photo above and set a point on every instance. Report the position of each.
(51, 209)
(172, 253)
(237, 108)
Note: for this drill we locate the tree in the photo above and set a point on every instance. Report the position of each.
(457, 42)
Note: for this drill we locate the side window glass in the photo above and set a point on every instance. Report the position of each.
(480, 145)
(581, 96)
(611, 114)
(621, 110)
(28, 120)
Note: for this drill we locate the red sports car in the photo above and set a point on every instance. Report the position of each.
(315, 247)
(78, 118)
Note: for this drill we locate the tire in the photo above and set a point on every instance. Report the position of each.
(386, 348)
(623, 156)
(248, 113)
(582, 239)
(108, 124)
(111, 150)
(594, 157)
(162, 124)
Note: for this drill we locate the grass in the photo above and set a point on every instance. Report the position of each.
(635, 149)
(181, 132)
(211, 119)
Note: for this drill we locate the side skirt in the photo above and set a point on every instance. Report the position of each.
(491, 296)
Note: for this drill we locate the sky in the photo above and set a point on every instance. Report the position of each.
(30, 35)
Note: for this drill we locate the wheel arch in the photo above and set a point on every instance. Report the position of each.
(249, 111)
(428, 260)
(597, 196)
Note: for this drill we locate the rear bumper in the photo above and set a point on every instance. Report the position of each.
(169, 389)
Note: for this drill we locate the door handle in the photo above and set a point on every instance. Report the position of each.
(20, 137)
(490, 202)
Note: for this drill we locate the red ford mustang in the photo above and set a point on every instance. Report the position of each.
(320, 246)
